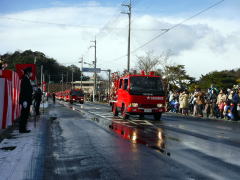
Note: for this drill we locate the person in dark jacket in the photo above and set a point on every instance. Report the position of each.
(235, 101)
(3, 64)
(37, 99)
(53, 97)
(25, 100)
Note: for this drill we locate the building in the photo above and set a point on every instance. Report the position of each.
(88, 86)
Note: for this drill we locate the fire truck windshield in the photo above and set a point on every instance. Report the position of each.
(145, 85)
(76, 93)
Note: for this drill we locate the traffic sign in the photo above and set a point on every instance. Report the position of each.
(98, 70)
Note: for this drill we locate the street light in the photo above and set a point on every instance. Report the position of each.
(81, 70)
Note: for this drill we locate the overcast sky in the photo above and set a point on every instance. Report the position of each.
(63, 30)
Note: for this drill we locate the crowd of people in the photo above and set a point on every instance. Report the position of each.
(212, 103)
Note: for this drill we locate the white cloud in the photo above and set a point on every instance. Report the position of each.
(202, 44)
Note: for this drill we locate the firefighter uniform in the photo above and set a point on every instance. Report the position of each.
(25, 100)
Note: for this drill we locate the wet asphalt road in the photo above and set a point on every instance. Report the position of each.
(87, 142)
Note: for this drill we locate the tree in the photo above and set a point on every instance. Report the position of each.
(222, 79)
(51, 66)
(173, 75)
(148, 63)
(177, 77)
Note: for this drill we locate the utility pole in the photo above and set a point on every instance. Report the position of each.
(109, 83)
(42, 79)
(66, 81)
(95, 65)
(48, 81)
(81, 70)
(72, 77)
(129, 13)
(62, 82)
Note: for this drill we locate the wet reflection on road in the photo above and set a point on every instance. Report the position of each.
(140, 131)
(135, 130)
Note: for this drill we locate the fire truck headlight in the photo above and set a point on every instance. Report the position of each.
(134, 136)
(133, 105)
(159, 105)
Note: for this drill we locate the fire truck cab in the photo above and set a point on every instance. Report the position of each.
(76, 95)
(139, 94)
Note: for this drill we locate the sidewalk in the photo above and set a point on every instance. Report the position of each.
(18, 151)
(190, 116)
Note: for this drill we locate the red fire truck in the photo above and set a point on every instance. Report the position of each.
(73, 95)
(59, 95)
(138, 94)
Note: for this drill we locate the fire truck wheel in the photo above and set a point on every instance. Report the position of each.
(157, 116)
(124, 112)
(141, 116)
(115, 111)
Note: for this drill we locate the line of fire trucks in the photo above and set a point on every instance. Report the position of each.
(73, 95)
(131, 94)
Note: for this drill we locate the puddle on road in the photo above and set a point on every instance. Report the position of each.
(52, 118)
(8, 148)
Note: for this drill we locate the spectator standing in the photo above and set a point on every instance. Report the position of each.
(176, 101)
(230, 96)
(238, 107)
(235, 101)
(213, 104)
(199, 102)
(184, 102)
(37, 99)
(191, 102)
(227, 112)
(194, 98)
(221, 100)
(25, 100)
(54, 97)
(170, 99)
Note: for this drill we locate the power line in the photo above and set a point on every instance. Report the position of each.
(175, 26)
(171, 28)
(80, 26)
(47, 23)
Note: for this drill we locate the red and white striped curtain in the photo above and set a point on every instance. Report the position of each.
(4, 107)
(2, 92)
(9, 98)
(16, 83)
